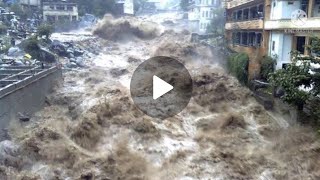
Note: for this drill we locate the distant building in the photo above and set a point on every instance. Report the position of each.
(60, 10)
(200, 14)
(31, 3)
(125, 7)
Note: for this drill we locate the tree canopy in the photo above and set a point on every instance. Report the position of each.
(184, 4)
(97, 7)
(300, 80)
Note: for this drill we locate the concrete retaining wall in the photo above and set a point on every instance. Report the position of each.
(27, 96)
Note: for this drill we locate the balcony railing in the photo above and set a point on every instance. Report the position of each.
(252, 24)
(308, 24)
(235, 3)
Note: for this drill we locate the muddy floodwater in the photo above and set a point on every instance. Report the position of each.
(90, 128)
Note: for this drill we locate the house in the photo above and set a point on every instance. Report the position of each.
(291, 25)
(125, 7)
(60, 10)
(271, 27)
(200, 14)
(31, 3)
(245, 31)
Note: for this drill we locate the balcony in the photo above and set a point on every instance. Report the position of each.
(308, 24)
(252, 24)
(235, 3)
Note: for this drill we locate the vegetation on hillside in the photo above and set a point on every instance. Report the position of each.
(238, 66)
(184, 5)
(301, 80)
(267, 67)
(31, 46)
(217, 23)
(96, 7)
(45, 30)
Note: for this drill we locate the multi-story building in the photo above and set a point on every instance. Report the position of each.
(60, 10)
(291, 24)
(245, 30)
(271, 27)
(31, 3)
(200, 14)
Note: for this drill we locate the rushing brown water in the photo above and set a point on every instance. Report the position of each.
(91, 129)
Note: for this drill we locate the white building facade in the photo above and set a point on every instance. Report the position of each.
(291, 25)
(200, 15)
(60, 10)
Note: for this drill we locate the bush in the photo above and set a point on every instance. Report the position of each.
(238, 66)
(31, 46)
(267, 67)
(3, 29)
(45, 30)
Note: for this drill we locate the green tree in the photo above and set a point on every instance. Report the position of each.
(238, 66)
(298, 75)
(45, 30)
(97, 7)
(267, 67)
(22, 13)
(32, 47)
(184, 4)
(3, 29)
(217, 23)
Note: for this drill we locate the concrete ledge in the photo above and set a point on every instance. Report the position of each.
(26, 96)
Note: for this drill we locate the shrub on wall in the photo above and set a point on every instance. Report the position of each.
(3, 29)
(267, 67)
(238, 66)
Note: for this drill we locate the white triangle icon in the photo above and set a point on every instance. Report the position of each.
(160, 87)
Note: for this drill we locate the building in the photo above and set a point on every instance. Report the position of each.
(125, 7)
(245, 30)
(291, 24)
(31, 3)
(271, 27)
(60, 10)
(200, 14)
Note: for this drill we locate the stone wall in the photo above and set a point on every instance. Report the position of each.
(26, 96)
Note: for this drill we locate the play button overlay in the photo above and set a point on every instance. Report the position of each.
(161, 87)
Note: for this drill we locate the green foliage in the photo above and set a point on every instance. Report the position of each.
(3, 29)
(267, 67)
(96, 7)
(16, 8)
(32, 47)
(22, 13)
(184, 4)
(217, 23)
(296, 75)
(238, 66)
(5, 46)
(45, 30)
(314, 47)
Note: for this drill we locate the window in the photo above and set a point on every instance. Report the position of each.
(273, 45)
(207, 14)
(61, 8)
(259, 39)
(202, 13)
(274, 4)
(69, 8)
